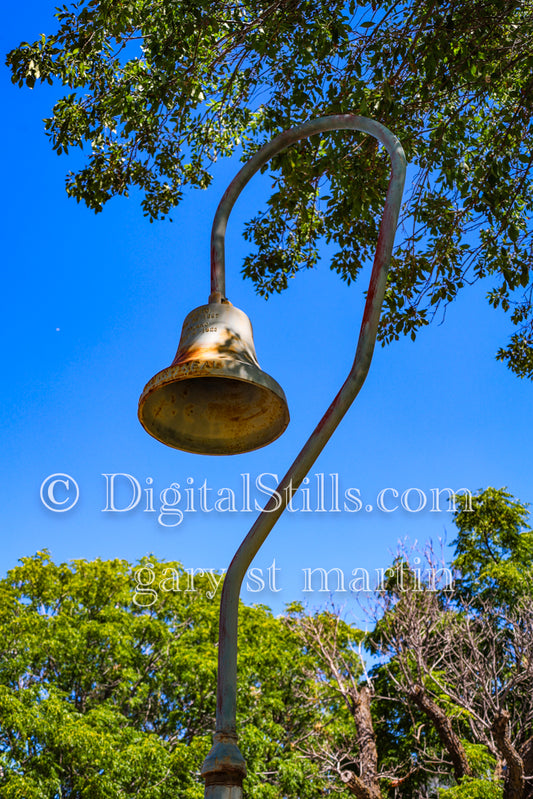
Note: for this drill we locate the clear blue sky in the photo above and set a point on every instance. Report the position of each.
(93, 307)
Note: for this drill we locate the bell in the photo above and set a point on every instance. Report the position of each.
(214, 399)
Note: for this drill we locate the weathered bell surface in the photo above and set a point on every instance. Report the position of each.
(214, 399)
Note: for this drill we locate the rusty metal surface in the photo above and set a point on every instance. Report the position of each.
(219, 328)
(223, 791)
(227, 656)
(224, 757)
(214, 398)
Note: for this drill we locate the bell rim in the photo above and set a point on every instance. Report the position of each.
(215, 368)
(230, 367)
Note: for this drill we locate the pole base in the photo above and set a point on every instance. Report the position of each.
(224, 768)
(218, 791)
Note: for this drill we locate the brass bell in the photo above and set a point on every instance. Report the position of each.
(214, 399)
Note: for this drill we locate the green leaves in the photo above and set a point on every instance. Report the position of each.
(494, 548)
(108, 673)
(473, 788)
(106, 692)
(157, 92)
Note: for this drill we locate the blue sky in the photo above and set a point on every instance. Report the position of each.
(93, 307)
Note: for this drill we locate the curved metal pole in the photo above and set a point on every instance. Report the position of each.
(224, 767)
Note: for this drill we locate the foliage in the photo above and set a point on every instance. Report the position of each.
(108, 673)
(494, 548)
(473, 789)
(157, 91)
(102, 697)
(461, 662)
(481, 760)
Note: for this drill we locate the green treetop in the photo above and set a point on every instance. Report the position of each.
(156, 91)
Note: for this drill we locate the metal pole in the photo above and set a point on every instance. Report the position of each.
(224, 767)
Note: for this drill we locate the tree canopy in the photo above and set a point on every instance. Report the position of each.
(108, 678)
(462, 660)
(158, 90)
(108, 674)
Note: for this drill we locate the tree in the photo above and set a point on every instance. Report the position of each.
(348, 748)
(107, 685)
(448, 710)
(494, 550)
(157, 91)
(465, 659)
(107, 680)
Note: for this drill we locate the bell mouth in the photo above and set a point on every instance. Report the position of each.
(218, 407)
